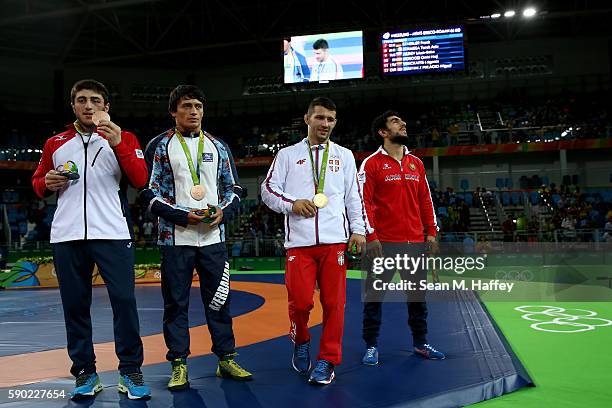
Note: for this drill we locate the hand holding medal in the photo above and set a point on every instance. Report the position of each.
(106, 128)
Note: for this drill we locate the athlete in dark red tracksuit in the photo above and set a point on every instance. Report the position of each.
(399, 214)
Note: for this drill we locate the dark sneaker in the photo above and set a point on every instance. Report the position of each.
(323, 373)
(429, 352)
(371, 356)
(301, 358)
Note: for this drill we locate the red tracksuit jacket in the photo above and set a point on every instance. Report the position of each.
(397, 199)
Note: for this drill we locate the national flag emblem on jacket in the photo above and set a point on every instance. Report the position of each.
(334, 164)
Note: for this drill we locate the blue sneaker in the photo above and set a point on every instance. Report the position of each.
(429, 352)
(371, 356)
(133, 385)
(301, 358)
(323, 373)
(87, 385)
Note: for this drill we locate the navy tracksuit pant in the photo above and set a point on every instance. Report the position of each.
(74, 263)
(177, 265)
(373, 299)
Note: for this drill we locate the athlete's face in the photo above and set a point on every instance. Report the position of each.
(321, 121)
(321, 54)
(188, 115)
(85, 103)
(396, 130)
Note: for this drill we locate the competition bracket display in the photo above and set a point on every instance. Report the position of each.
(421, 51)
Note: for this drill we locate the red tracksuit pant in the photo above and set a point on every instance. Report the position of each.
(325, 264)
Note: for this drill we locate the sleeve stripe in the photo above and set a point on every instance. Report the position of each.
(267, 183)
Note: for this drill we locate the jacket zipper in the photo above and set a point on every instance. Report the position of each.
(96, 156)
(85, 145)
(317, 212)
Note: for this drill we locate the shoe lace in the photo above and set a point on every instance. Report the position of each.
(235, 367)
(135, 378)
(176, 372)
(82, 379)
(370, 352)
(302, 350)
(323, 366)
(430, 348)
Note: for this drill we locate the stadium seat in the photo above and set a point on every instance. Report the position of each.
(469, 199)
(534, 197)
(505, 198)
(556, 198)
(499, 183)
(443, 211)
(515, 198)
(465, 184)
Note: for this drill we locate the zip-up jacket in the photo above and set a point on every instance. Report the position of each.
(291, 178)
(95, 205)
(170, 182)
(397, 198)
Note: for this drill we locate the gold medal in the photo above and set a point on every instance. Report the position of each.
(198, 192)
(320, 200)
(99, 116)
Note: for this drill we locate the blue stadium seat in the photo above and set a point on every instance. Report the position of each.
(469, 199)
(499, 182)
(465, 184)
(515, 198)
(443, 211)
(534, 197)
(556, 198)
(545, 180)
(508, 183)
(505, 198)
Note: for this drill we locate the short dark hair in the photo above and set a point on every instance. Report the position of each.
(190, 91)
(320, 43)
(380, 122)
(321, 101)
(92, 85)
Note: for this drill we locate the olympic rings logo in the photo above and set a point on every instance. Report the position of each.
(521, 276)
(556, 319)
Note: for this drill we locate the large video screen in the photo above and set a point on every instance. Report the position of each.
(418, 51)
(323, 57)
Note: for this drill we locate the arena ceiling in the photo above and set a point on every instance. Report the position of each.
(169, 33)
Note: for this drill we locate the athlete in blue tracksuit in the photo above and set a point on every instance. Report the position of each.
(191, 170)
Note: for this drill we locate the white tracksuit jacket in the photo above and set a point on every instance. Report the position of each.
(290, 178)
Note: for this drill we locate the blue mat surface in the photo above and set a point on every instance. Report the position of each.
(479, 364)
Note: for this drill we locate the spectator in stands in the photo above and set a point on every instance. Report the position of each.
(326, 67)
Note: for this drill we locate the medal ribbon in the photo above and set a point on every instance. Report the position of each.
(195, 175)
(319, 178)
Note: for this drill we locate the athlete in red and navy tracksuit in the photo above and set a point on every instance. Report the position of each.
(399, 218)
(315, 238)
(91, 225)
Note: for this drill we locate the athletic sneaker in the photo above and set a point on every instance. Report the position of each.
(133, 385)
(179, 379)
(429, 352)
(301, 358)
(371, 356)
(86, 385)
(323, 373)
(228, 368)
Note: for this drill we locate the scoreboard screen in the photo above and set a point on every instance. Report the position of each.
(420, 51)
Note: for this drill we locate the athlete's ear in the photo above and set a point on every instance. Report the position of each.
(107, 107)
(306, 118)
